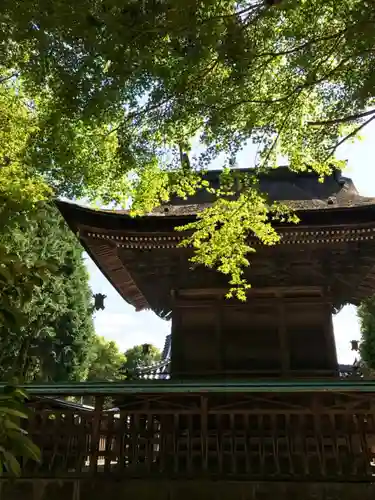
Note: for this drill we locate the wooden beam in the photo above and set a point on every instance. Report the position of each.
(306, 291)
(219, 335)
(177, 351)
(283, 339)
(249, 305)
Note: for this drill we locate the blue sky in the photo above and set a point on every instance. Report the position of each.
(119, 321)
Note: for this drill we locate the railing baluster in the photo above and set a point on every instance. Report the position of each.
(95, 435)
(176, 443)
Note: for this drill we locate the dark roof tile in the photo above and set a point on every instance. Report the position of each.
(301, 191)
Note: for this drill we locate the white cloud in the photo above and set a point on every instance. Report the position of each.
(131, 328)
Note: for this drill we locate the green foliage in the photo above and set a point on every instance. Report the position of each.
(118, 90)
(45, 299)
(14, 441)
(366, 314)
(106, 361)
(140, 356)
(220, 234)
(126, 81)
(20, 190)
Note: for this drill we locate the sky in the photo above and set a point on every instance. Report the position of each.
(120, 322)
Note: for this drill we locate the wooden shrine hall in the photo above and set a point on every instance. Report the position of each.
(253, 406)
(284, 329)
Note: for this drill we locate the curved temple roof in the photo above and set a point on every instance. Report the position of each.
(302, 191)
(125, 248)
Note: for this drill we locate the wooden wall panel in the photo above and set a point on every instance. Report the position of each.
(274, 337)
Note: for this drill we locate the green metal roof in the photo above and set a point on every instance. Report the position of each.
(173, 386)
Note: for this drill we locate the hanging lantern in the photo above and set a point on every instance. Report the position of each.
(99, 301)
(146, 349)
(355, 345)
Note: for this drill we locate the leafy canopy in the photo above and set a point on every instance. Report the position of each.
(105, 361)
(140, 356)
(366, 314)
(48, 336)
(20, 190)
(45, 300)
(123, 89)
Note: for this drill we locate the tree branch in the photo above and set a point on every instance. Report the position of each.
(285, 121)
(165, 28)
(238, 13)
(255, 101)
(344, 119)
(146, 110)
(9, 77)
(352, 134)
(351, 27)
(296, 90)
(302, 46)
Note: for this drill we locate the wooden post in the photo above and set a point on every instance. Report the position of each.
(283, 339)
(219, 336)
(204, 432)
(95, 436)
(177, 361)
(76, 490)
(330, 338)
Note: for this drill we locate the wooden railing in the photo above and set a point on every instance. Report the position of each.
(161, 371)
(264, 436)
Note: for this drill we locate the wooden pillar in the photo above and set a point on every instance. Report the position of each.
(283, 338)
(204, 432)
(219, 336)
(177, 351)
(95, 436)
(330, 337)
